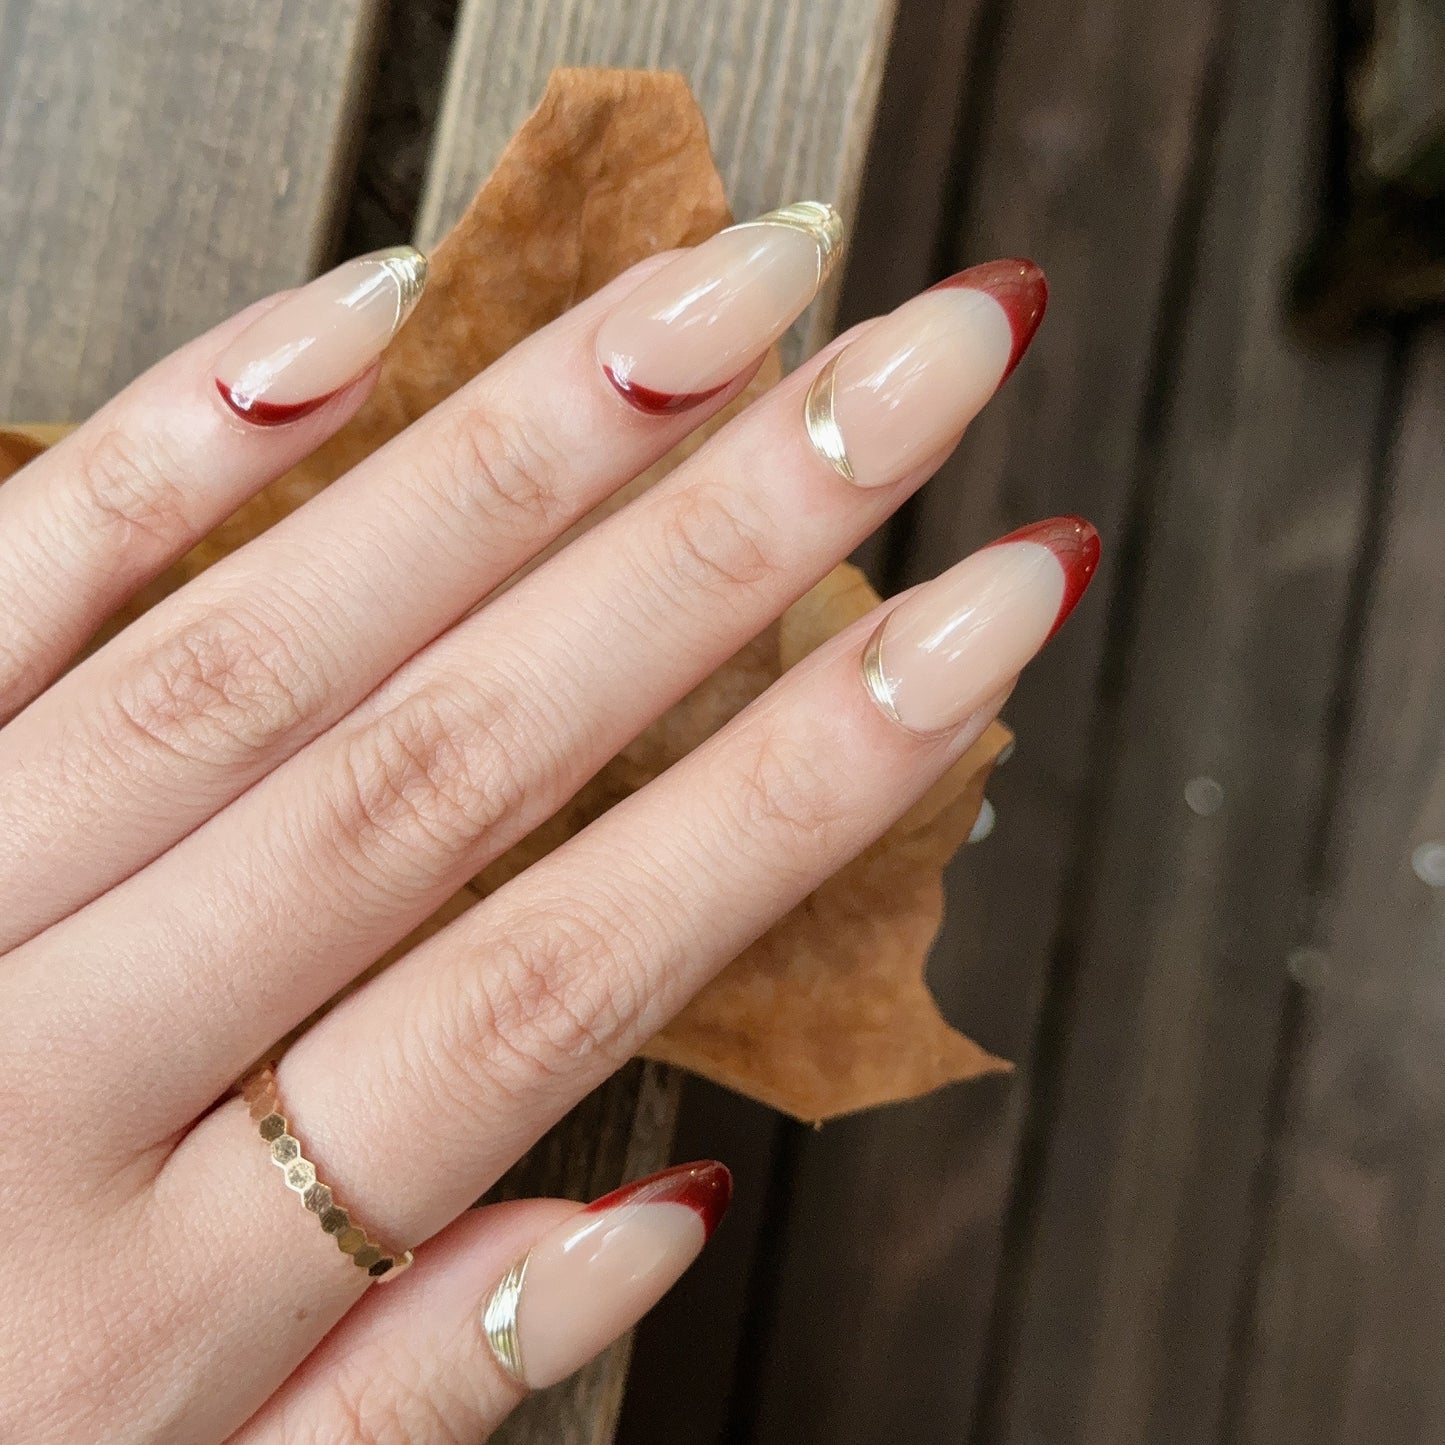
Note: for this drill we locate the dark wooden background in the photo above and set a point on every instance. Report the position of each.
(1209, 1207)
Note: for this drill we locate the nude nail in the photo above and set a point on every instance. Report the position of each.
(306, 349)
(594, 1277)
(908, 387)
(963, 637)
(686, 332)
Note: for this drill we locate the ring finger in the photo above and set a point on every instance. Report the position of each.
(424, 1085)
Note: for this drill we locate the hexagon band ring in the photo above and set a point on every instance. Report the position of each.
(259, 1091)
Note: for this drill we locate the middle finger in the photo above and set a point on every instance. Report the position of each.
(348, 846)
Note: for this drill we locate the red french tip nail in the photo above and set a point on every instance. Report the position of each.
(706, 1187)
(657, 403)
(1019, 287)
(269, 413)
(1075, 543)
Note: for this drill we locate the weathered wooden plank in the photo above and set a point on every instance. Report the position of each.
(1080, 160)
(161, 163)
(787, 86)
(1215, 764)
(788, 89)
(401, 116)
(1346, 1348)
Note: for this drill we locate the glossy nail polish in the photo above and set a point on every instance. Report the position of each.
(963, 637)
(596, 1275)
(909, 386)
(307, 348)
(686, 332)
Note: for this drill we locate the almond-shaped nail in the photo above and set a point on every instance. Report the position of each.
(591, 1279)
(306, 349)
(961, 638)
(686, 332)
(910, 385)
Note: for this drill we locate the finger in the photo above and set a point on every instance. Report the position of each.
(275, 643)
(485, 734)
(512, 1297)
(86, 525)
(420, 1088)
(464, 1052)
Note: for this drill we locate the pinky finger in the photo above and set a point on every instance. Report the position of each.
(510, 1298)
(86, 525)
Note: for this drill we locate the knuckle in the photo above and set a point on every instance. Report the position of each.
(780, 787)
(551, 995)
(20, 672)
(712, 541)
(424, 782)
(496, 468)
(221, 689)
(126, 491)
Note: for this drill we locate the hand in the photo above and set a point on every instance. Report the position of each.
(214, 823)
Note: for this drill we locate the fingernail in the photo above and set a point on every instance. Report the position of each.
(302, 352)
(595, 1276)
(909, 386)
(960, 638)
(686, 332)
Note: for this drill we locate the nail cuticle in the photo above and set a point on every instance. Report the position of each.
(499, 1320)
(875, 681)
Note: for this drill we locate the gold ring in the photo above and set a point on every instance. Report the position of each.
(259, 1091)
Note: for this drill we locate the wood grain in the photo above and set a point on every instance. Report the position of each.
(161, 164)
(1214, 765)
(1081, 160)
(788, 89)
(1352, 1297)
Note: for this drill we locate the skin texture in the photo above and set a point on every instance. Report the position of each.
(214, 823)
